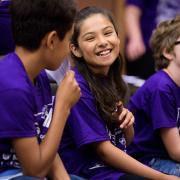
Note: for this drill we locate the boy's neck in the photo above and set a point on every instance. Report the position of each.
(30, 61)
(174, 73)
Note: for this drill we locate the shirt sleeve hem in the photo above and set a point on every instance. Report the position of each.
(89, 141)
(17, 135)
(167, 125)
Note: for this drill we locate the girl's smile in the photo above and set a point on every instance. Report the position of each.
(98, 43)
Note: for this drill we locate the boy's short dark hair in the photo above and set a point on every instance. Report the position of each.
(33, 19)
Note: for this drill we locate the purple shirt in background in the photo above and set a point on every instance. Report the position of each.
(84, 127)
(155, 105)
(153, 12)
(6, 37)
(25, 109)
(148, 18)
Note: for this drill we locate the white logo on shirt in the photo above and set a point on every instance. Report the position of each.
(97, 166)
(178, 114)
(178, 118)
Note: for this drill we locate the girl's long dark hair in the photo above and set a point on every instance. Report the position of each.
(107, 90)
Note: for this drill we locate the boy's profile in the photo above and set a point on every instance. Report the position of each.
(31, 120)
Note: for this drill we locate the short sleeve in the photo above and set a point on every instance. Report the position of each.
(85, 123)
(162, 110)
(17, 118)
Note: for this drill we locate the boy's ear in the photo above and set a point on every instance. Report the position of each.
(167, 55)
(51, 39)
(75, 50)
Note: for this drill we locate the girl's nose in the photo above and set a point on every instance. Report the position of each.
(102, 41)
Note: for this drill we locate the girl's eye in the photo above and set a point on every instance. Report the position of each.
(89, 39)
(108, 33)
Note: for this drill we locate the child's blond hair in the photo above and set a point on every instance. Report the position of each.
(163, 38)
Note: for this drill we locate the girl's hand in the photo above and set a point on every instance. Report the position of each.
(126, 119)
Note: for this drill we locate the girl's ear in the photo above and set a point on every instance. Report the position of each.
(75, 50)
(168, 55)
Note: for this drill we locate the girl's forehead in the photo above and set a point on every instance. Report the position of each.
(96, 17)
(95, 21)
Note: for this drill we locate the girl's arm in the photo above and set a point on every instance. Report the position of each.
(58, 171)
(36, 159)
(129, 134)
(171, 140)
(118, 159)
(126, 120)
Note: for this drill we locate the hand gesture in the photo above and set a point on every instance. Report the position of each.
(124, 117)
(68, 91)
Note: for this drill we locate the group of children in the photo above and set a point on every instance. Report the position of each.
(85, 131)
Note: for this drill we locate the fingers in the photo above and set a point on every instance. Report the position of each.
(68, 91)
(71, 74)
(126, 118)
(74, 85)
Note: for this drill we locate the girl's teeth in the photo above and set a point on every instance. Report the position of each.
(104, 52)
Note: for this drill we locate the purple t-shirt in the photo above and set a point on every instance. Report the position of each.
(84, 127)
(25, 109)
(155, 105)
(6, 37)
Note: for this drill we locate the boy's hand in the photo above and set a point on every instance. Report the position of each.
(68, 91)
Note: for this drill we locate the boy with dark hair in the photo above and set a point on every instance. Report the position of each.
(30, 129)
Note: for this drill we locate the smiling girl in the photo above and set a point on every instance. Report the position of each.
(99, 128)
